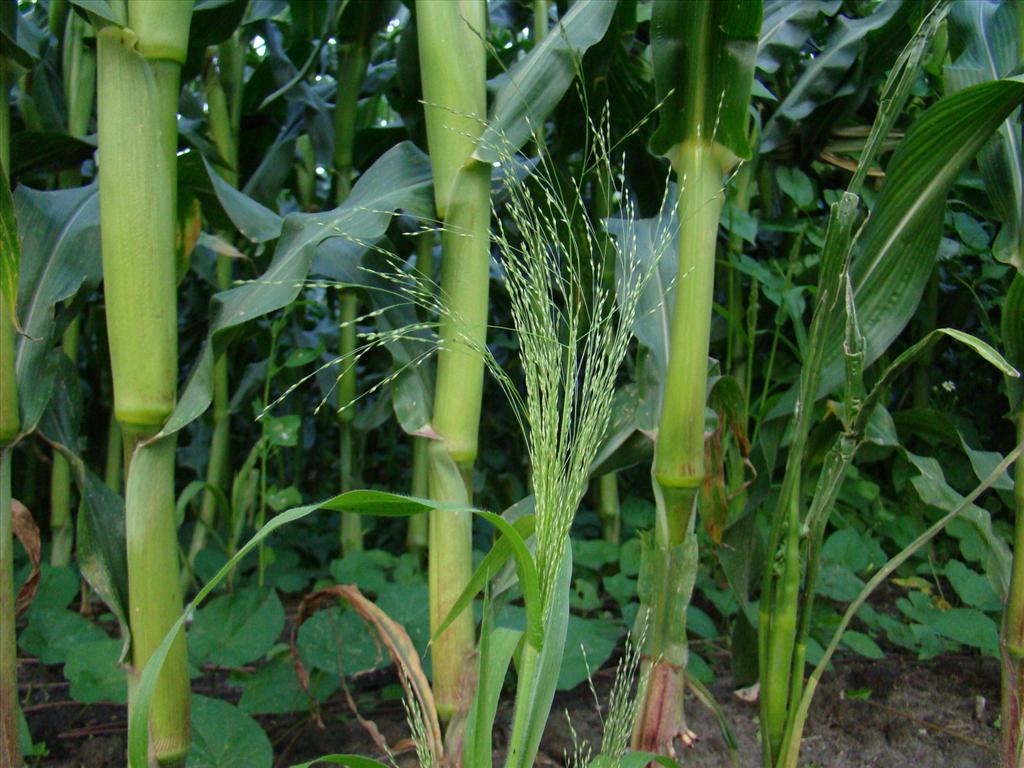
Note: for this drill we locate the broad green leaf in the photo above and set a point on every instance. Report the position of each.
(256, 222)
(703, 69)
(589, 643)
(861, 643)
(39, 152)
(969, 626)
(400, 179)
(225, 737)
(52, 633)
(986, 35)
(972, 587)
(369, 569)
(274, 689)
(895, 254)
(236, 628)
(824, 74)
(60, 259)
(786, 27)
(56, 589)
(535, 84)
(932, 488)
(594, 553)
(336, 642)
(94, 672)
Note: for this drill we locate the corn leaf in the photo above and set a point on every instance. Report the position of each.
(532, 88)
(60, 259)
(256, 222)
(824, 75)
(786, 26)
(101, 8)
(895, 254)
(986, 34)
(703, 70)
(400, 179)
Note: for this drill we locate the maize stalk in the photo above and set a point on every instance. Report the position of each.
(139, 68)
(453, 70)
(704, 65)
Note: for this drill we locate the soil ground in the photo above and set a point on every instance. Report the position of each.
(894, 712)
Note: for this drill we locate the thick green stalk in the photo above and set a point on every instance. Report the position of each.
(678, 469)
(10, 748)
(138, 75)
(137, 140)
(61, 528)
(154, 594)
(453, 66)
